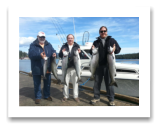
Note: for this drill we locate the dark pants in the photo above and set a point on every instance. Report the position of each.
(37, 86)
(100, 72)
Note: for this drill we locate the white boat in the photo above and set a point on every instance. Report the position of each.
(127, 76)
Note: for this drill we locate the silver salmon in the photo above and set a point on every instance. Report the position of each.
(112, 67)
(45, 66)
(64, 68)
(94, 62)
(54, 69)
(77, 65)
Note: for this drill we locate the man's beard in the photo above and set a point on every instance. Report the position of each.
(41, 41)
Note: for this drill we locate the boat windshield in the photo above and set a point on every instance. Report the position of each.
(85, 55)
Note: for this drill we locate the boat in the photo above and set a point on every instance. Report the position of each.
(127, 75)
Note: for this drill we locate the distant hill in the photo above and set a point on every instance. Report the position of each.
(128, 56)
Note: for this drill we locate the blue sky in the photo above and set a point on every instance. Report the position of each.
(123, 29)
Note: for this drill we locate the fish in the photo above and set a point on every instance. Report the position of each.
(111, 66)
(64, 68)
(94, 62)
(77, 65)
(54, 69)
(45, 66)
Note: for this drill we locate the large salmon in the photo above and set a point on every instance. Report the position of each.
(77, 65)
(112, 67)
(94, 62)
(64, 68)
(45, 66)
(54, 69)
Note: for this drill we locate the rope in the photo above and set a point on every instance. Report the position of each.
(80, 86)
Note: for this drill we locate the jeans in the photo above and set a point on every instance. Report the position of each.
(100, 72)
(37, 86)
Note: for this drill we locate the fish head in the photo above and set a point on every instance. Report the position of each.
(76, 52)
(109, 49)
(46, 58)
(95, 51)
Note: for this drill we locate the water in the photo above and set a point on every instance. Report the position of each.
(128, 61)
(25, 65)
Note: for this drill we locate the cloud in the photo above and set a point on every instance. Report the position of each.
(25, 41)
(131, 20)
(135, 37)
(129, 50)
(128, 36)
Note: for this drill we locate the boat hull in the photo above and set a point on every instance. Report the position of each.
(127, 87)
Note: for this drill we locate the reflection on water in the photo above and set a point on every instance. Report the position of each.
(25, 65)
(128, 61)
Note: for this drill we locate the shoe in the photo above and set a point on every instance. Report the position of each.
(49, 99)
(37, 101)
(64, 99)
(112, 103)
(94, 101)
(77, 99)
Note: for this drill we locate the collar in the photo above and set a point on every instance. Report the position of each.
(36, 42)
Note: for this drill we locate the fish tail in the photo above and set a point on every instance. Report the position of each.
(91, 78)
(59, 81)
(113, 84)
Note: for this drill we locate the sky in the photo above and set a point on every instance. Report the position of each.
(125, 30)
(129, 25)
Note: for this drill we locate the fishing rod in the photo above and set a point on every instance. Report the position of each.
(58, 38)
(61, 28)
(56, 23)
(57, 30)
(74, 30)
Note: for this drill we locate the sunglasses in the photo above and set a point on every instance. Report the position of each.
(102, 31)
(42, 37)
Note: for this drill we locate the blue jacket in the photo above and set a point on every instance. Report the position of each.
(36, 60)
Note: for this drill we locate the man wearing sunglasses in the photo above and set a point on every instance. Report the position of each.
(102, 43)
(38, 50)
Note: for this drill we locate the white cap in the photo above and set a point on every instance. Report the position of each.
(40, 34)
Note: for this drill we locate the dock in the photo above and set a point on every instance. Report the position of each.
(27, 98)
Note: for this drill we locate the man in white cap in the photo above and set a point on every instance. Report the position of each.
(38, 50)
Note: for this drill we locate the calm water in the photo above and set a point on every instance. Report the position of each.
(25, 65)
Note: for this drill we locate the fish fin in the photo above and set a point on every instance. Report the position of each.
(113, 84)
(58, 81)
(80, 80)
(91, 78)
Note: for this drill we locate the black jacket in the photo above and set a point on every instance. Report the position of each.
(103, 50)
(70, 56)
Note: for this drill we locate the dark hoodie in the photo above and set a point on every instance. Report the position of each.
(35, 51)
(70, 55)
(103, 50)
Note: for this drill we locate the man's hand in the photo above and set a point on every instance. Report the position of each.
(54, 54)
(114, 48)
(93, 47)
(43, 55)
(79, 50)
(63, 50)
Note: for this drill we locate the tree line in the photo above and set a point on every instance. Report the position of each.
(22, 54)
(128, 56)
